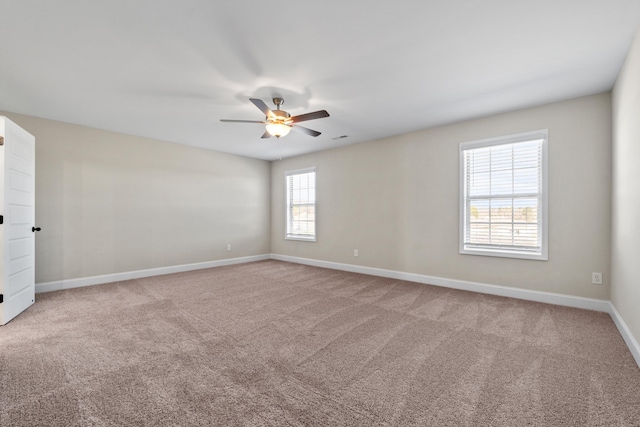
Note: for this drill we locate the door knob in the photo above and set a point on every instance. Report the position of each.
(34, 229)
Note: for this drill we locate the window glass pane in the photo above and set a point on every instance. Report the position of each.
(479, 210)
(479, 160)
(501, 182)
(525, 210)
(525, 154)
(479, 184)
(526, 181)
(501, 234)
(501, 210)
(525, 234)
(501, 158)
(479, 234)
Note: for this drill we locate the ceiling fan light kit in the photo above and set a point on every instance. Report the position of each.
(278, 129)
(279, 123)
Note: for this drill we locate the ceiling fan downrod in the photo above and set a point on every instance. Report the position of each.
(278, 102)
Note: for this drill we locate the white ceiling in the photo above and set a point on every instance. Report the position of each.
(171, 69)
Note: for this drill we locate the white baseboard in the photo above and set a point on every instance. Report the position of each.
(627, 336)
(118, 277)
(505, 291)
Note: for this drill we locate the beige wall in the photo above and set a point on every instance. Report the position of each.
(625, 247)
(110, 203)
(396, 201)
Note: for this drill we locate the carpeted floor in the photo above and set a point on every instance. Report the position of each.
(273, 343)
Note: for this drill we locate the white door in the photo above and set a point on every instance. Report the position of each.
(17, 207)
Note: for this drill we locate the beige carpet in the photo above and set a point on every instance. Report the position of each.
(273, 343)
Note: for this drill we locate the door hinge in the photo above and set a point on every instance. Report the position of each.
(1, 298)
(1, 140)
(1, 219)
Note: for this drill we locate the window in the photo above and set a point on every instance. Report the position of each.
(503, 196)
(301, 204)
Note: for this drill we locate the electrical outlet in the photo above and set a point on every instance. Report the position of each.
(355, 252)
(228, 246)
(596, 278)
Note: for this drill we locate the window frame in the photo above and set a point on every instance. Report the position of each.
(543, 218)
(300, 237)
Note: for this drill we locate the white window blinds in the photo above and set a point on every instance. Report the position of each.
(301, 204)
(503, 196)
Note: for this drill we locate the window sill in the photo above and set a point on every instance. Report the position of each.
(502, 253)
(301, 238)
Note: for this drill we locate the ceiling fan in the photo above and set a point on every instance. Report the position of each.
(278, 123)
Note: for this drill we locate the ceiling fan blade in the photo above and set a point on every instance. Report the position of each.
(241, 121)
(310, 116)
(306, 131)
(266, 135)
(262, 106)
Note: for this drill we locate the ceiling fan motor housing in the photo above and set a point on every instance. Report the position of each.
(281, 115)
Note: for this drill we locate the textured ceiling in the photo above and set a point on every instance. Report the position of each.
(171, 70)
